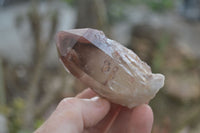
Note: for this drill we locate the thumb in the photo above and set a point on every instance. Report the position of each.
(84, 112)
(74, 114)
(93, 110)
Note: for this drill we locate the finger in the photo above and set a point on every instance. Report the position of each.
(73, 115)
(94, 111)
(104, 125)
(137, 120)
(141, 119)
(122, 121)
(87, 93)
(91, 110)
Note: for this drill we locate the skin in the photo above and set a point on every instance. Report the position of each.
(88, 113)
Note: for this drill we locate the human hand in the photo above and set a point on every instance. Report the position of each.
(89, 114)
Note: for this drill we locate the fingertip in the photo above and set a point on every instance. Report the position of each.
(100, 102)
(82, 112)
(96, 110)
(143, 110)
(142, 119)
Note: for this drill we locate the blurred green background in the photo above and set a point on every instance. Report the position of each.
(164, 33)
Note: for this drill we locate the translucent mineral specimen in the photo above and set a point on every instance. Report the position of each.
(113, 71)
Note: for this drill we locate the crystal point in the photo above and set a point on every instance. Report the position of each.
(113, 71)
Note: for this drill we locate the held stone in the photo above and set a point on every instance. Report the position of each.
(113, 71)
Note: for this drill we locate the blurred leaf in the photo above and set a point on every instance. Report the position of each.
(116, 12)
(24, 131)
(18, 104)
(71, 2)
(2, 86)
(38, 123)
(116, 7)
(158, 59)
(160, 5)
(164, 41)
(16, 114)
(5, 109)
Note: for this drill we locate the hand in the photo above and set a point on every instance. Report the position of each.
(87, 113)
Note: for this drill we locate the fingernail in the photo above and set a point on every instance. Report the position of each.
(100, 102)
(95, 98)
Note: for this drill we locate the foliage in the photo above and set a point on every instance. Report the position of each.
(158, 59)
(160, 5)
(38, 123)
(70, 2)
(114, 11)
(115, 8)
(15, 115)
(17, 108)
(14, 112)
(155, 5)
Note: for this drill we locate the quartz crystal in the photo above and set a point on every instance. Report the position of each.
(111, 70)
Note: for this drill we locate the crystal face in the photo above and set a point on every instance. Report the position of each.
(113, 71)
